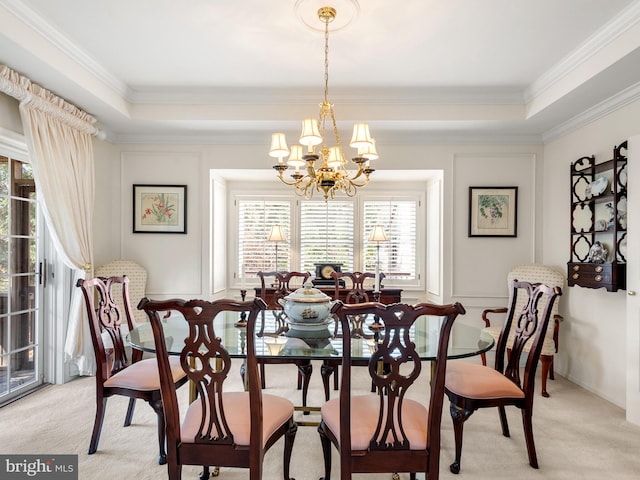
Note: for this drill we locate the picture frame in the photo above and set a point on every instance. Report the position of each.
(493, 211)
(159, 208)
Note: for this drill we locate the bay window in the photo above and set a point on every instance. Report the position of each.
(335, 232)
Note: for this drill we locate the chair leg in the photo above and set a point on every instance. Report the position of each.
(483, 357)
(289, 438)
(326, 451)
(547, 364)
(459, 416)
(101, 405)
(528, 435)
(503, 421)
(326, 371)
(175, 472)
(263, 382)
(157, 407)
(130, 408)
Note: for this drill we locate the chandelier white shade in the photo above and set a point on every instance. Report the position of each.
(325, 170)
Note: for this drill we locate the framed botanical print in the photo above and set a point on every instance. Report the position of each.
(493, 211)
(159, 208)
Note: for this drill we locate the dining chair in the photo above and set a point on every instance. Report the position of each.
(284, 284)
(352, 285)
(115, 374)
(225, 428)
(533, 273)
(472, 386)
(387, 431)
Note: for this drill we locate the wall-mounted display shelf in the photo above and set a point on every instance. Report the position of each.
(599, 222)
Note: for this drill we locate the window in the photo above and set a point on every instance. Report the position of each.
(255, 219)
(336, 231)
(398, 255)
(326, 234)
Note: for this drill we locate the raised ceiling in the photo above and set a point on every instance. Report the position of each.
(226, 71)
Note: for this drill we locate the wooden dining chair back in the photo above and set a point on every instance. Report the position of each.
(387, 431)
(472, 386)
(222, 428)
(115, 373)
(353, 283)
(355, 291)
(284, 283)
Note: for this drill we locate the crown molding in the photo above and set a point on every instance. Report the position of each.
(611, 104)
(36, 23)
(342, 95)
(387, 138)
(625, 20)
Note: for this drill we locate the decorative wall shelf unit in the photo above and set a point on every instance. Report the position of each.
(599, 222)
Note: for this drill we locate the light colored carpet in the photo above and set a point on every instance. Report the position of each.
(578, 435)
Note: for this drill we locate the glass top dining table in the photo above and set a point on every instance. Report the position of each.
(312, 341)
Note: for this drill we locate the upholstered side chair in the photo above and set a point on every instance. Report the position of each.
(533, 273)
(137, 276)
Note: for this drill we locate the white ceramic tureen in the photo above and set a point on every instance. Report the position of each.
(307, 305)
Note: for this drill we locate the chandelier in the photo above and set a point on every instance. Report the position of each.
(326, 170)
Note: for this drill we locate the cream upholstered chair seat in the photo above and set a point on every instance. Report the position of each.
(533, 273)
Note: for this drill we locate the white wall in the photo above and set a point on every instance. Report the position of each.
(185, 266)
(592, 336)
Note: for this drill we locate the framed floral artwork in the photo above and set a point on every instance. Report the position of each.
(159, 209)
(493, 211)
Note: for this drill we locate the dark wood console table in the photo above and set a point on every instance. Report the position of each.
(387, 295)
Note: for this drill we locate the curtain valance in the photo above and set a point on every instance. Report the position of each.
(23, 89)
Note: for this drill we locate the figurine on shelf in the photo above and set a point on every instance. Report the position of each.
(598, 253)
(612, 215)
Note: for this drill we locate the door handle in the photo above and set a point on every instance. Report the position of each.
(631, 293)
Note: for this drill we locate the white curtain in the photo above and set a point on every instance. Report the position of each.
(58, 137)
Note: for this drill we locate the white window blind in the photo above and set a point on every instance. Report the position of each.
(326, 234)
(255, 219)
(398, 255)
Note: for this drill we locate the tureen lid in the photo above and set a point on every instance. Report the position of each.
(308, 294)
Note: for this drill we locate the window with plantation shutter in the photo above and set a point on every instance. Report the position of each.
(326, 234)
(255, 219)
(398, 255)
